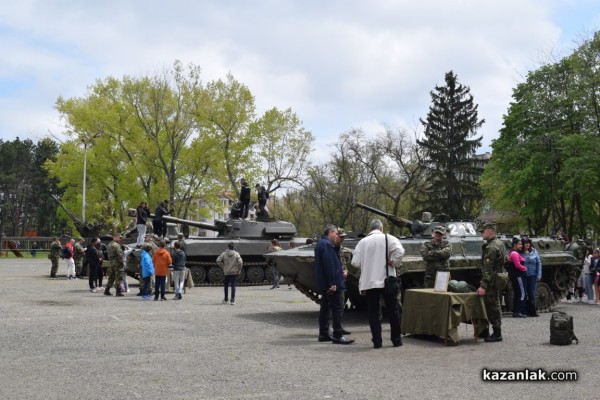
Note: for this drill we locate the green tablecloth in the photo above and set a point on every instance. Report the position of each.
(440, 313)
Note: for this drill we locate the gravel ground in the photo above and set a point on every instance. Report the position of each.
(60, 341)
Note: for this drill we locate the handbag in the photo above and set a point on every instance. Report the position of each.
(391, 284)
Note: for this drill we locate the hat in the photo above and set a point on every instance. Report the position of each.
(79, 238)
(439, 229)
(342, 232)
(117, 235)
(487, 226)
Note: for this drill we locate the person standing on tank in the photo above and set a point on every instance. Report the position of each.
(141, 220)
(231, 262)
(436, 254)
(493, 257)
(244, 198)
(331, 285)
(158, 225)
(262, 196)
(378, 255)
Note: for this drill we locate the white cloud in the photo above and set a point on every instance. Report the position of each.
(337, 64)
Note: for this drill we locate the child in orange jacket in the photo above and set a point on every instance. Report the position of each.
(161, 260)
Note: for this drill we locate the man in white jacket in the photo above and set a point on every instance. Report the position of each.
(370, 256)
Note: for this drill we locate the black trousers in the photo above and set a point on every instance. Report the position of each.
(393, 311)
(331, 302)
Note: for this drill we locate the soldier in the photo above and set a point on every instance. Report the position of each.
(54, 256)
(436, 254)
(115, 257)
(493, 256)
(79, 253)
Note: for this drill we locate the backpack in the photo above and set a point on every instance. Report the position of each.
(65, 252)
(561, 329)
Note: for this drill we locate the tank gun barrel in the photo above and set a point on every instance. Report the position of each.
(85, 229)
(197, 224)
(393, 219)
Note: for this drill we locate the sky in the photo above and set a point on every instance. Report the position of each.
(339, 64)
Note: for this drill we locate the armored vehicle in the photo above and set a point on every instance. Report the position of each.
(561, 263)
(250, 237)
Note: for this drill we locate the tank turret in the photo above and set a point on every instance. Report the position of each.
(425, 227)
(560, 263)
(251, 238)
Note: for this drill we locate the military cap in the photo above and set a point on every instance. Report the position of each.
(342, 232)
(117, 235)
(79, 238)
(489, 225)
(439, 229)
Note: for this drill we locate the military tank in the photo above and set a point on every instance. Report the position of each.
(250, 237)
(561, 263)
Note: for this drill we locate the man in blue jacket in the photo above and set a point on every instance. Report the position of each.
(331, 285)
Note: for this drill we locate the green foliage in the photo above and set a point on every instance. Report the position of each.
(171, 137)
(544, 162)
(25, 187)
(452, 176)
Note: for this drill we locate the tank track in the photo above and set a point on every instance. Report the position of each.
(308, 293)
(206, 266)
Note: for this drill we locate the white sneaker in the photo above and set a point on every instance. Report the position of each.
(232, 302)
(591, 302)
(225, 301)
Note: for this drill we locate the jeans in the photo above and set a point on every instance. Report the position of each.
(518, 294)
(393, 312)
(178, 280)
(227, 280)
(588, 284)
(159, 284)
(141, 228)
(145, 285)
(331, 302)
(276, 276)
(530, 288)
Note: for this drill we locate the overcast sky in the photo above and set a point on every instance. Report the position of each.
(338, 64)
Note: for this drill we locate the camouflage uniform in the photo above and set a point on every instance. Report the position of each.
(115, 272)
(79, 253)
(436, 257)
(54, 256)
(492, 262)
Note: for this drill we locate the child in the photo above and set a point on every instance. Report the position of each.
(162, 260)
(147, 271)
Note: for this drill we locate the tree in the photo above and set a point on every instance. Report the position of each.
(25, 188)
(285, 148)
(449, 148)
(544, 161)
(393, 161)
(225, 111)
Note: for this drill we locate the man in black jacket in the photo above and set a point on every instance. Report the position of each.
(244, 198)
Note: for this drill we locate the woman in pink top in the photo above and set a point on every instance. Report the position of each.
(516, 271)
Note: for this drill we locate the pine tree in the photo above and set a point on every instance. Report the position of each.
(452, 183)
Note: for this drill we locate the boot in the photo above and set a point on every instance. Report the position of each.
(107, 292)
(495, 337)
(119, 292)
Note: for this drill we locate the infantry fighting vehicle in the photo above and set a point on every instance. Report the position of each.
(561, 263)
(250, 237)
